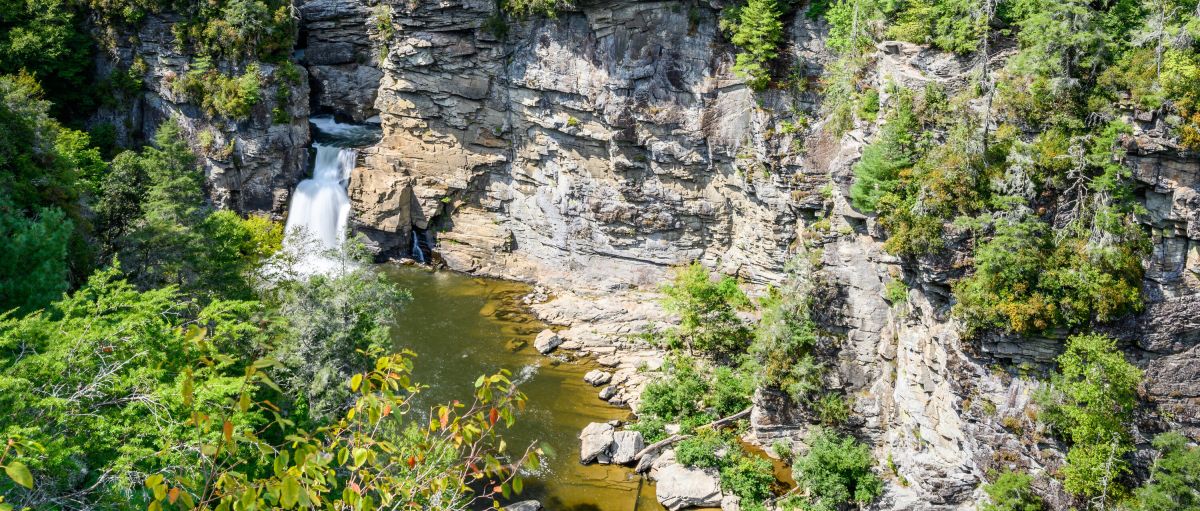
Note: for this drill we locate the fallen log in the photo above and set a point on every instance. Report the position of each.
(671, 440)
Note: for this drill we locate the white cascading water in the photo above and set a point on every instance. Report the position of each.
(320, 210)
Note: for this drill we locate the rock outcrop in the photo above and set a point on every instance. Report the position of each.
(250, 165)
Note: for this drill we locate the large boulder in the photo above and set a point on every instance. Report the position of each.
(678, 487)
(626, 444)
(546, 341)
(596, 443)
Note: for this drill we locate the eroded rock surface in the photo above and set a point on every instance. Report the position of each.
(250, 165)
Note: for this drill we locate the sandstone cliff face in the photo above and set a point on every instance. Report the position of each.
(250, 165)
(591, 152)
(603, 146)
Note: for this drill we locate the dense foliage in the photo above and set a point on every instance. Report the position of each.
(745, 475)
(1174, 482)
(197, 369)
(756, 28)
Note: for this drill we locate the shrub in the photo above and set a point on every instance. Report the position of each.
(730, 392)
(707, 449)
(677, 394)
(952, 25)
(749, 477)
(1011, 492)
(1028, 279)
(786, 336)
(231, 97)
(832, 409)
(527, 8)
(895, 292)
(836, 471)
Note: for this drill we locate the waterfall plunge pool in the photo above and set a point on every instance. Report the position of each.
(461, 327)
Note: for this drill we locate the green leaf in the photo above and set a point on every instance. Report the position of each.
(518, 484)
(360, 456)
(19, 474)
(290, 492)
(244, 401)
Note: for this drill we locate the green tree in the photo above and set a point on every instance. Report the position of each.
(48, 39)
(1174, 483)
(1011, 492)
(878, 172)
(786, 336)
(39, 198)
(952, 25)
(836, 471)
(1089, 403)
(757, 32)
(707, 311)
(33, 257)
(334, 322)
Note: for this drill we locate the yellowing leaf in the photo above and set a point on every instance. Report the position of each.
(355, 381)
(290, 493)
(19, 473)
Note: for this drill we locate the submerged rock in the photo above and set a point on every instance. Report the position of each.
(596, 443)
(626, 444)
(524, 505)
(546, 341)
(597, 377)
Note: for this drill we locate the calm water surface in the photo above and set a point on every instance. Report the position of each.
(460, 327)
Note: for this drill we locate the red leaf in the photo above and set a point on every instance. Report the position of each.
(412, 462)
(493, 416)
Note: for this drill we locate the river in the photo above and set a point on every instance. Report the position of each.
(460, 327)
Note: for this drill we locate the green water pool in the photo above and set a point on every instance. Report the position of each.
(460, 327)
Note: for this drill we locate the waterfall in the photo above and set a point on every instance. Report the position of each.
(320, 210)
(416, 250)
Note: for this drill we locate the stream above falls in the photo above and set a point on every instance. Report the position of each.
(461, 327)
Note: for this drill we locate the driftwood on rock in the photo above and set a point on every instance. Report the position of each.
(641, 456)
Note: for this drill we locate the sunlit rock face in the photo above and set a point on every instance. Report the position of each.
(591, 152)
(251, 165)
